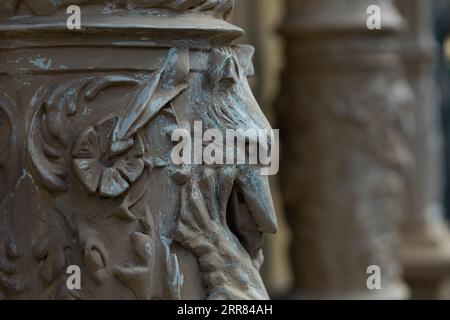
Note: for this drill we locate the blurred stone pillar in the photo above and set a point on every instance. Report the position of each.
(346, 122)
(426, 242)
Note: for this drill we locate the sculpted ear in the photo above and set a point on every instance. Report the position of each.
(245, 56)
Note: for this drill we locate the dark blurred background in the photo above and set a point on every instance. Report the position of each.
(365, 123)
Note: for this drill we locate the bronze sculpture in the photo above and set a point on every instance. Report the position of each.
(85, 166)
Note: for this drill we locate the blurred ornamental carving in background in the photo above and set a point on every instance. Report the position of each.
(347, 119)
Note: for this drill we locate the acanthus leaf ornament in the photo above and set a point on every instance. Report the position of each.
(165, 85)
(118, 138)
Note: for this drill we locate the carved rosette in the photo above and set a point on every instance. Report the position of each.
(86, 121)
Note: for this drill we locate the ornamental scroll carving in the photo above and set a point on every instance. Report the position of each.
(97, 187)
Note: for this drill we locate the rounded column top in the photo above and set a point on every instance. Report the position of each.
(338, 16)
(152, 23)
